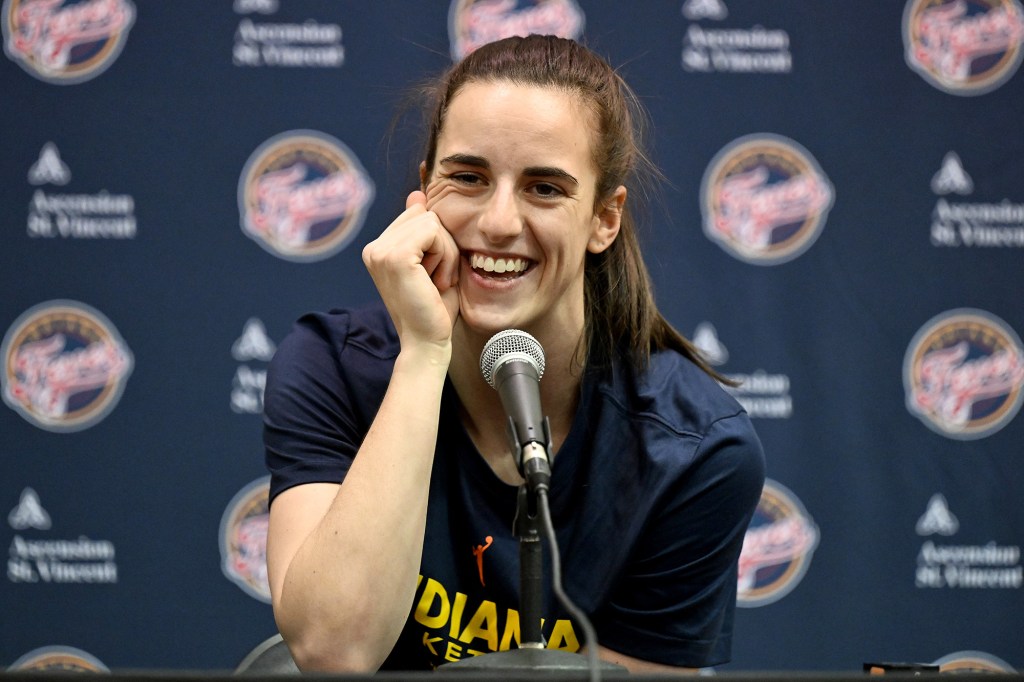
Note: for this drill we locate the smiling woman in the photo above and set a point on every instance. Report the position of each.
(387, 447)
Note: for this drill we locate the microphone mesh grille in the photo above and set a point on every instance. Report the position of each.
(510, 342)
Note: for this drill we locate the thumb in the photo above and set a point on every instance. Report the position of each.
(414, 198)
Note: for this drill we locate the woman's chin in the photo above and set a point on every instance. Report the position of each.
(487, 321)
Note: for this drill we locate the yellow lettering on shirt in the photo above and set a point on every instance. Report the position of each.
(457, 606)
(428, 642)
(490, 627)
(483, 625)
(511, 630)
(453, 653)
(563, 636)
(433, 591)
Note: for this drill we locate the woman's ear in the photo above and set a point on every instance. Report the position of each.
(423, 175)
(608, 220)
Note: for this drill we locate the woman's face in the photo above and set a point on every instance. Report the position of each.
(514, 184)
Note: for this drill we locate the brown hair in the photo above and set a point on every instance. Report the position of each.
(621, 317)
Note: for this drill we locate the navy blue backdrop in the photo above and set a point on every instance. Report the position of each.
(842, 228)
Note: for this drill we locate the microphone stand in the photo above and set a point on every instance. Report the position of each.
(526, 527)
(532, 654)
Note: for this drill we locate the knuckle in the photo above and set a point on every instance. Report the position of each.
(372, 254)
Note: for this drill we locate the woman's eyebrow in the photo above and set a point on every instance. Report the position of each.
(550, 172)
(465, 160)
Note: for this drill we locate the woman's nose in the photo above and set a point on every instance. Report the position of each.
(501, 218)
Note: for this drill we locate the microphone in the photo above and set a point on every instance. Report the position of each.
(512, 362)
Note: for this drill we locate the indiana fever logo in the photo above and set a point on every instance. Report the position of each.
(964, 374)
(65, 366)
(764, 199)
(303, 196)
(56, 659)
(777, 548)
(66, 42)
(243, 539)
(964, 47)
(472, 23)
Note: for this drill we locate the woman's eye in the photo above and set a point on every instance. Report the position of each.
(545, 190)
(465, 178)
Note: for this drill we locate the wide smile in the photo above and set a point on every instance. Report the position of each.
(500, 268)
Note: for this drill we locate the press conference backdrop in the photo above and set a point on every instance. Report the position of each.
(842, 229)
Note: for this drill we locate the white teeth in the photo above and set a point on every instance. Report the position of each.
(500, 265)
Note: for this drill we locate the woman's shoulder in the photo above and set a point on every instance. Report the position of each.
(673, 391)
(680, 416)
(361, 330)
(341, 344)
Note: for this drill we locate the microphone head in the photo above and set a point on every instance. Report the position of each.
(507, 345)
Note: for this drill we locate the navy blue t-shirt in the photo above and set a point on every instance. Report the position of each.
(651, 494)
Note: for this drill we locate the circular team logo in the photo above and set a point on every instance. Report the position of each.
(764, 199)
(472, 23)
(243, 539)
(65, 366)
(58, 659)
(973, 662)
(303, 195)
(777, 548)
(66, 42)
(964, 374)
(964, 47)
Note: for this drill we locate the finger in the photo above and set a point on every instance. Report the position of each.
(446, 275)
(441, 258)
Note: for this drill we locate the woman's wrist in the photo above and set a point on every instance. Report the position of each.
(425, 357)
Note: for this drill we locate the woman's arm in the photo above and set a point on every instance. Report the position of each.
(343, 559)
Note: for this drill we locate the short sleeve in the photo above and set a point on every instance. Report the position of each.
(675, 601)
(313, 420)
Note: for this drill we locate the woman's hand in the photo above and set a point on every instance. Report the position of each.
(415, 266)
